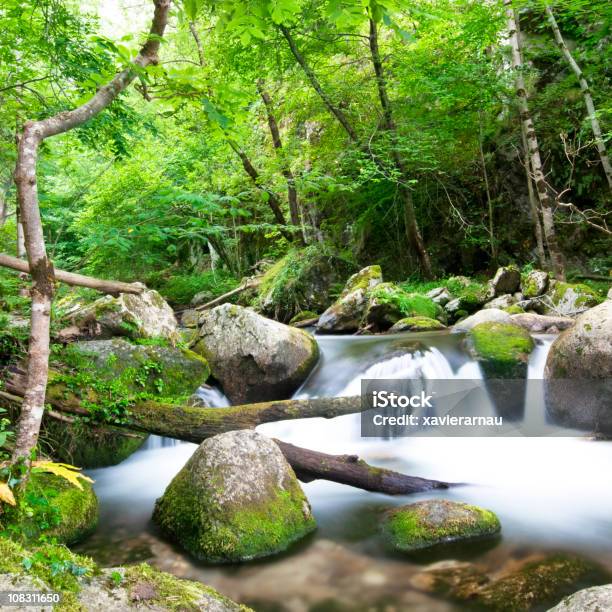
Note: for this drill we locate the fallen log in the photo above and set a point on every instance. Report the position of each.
(194, 424)
(78, 280)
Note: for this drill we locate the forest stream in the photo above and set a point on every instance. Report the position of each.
(547, 492)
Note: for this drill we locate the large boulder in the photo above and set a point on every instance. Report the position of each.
(502, 349)
(594, 599)
(534, 284)
(436, 522)
(236, 499)
(254, 358)
(506, 280)
(144, 315)
(388, 303)
(488, 315)
(301, 280)
(567, 300)
(579, 372)
(346, 313)
(154, 368)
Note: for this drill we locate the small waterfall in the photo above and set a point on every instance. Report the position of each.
(212, 396)
(156, 442)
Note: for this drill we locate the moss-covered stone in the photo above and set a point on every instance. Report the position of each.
(501, 348)
(433, 523)
(236, 499)
(514, 309)
(567, 299)
(53, 508)
(507, 279)
(417, 324)
(88, 445)
(303, 315)
(154, 368)
(534, 284)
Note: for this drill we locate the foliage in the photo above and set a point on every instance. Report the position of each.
(180, 289)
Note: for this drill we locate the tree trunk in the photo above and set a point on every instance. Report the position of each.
(412, 228)
(586, 93)
(193, 424)
(534, 206)
(294, 208)
(485, 174)
(41, 269)
(78, 280)
(556, 255)
(314, 81)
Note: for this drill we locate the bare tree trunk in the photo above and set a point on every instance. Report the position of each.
(78, 280)
(413, 231)
(198, 42)
(586, 93)
(487, 190)
(534, 205)
(292, 197)
(41, 269)
(556, 255)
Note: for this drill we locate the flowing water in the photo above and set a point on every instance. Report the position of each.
(550, 493)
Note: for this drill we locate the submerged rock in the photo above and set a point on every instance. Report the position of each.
(594, 599)
(535, 284)
(346, 313)
(416, 324)
(579, 372)
(146, 315)
(254, 358)
(506, 280)
(436, 522)
(502, 349)
(236, 499)
(488, 315)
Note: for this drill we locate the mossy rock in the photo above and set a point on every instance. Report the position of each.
(540, 583)
(507, 279)
(57, 509)
(567, 299)
(84, 586)
(301, 280)
(366, 279)
(534, 284)
(502, 349)
(514, 309)
(416, 324)
(88, 445)
(303, 315)
(433, 523)
(155, 368)
(388, 304)
(236, 499)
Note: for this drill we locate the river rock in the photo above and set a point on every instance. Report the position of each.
(579, 372)
(156, 368)
(416, 324)
(536, 323)
(254, 358)
(502, 349)
(594, 599)
(501, 302)
(388, 303)
(506, 280)
(435, 522)
(535, 284)
(488, 315)
(567, 300)
(190, 318)
(346, 313)
(236, 499)
(440, 295)
(146, 315)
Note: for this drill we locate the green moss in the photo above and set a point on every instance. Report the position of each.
(54, 508)
(173, 593)
(303, 315)
(416, 527)
(514, 309)
(502, 348)
(403, 303)
(362, 279)
(222, 535)
(417, 324)
(587, 298)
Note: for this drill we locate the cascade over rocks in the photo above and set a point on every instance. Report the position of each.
(144, 315)
(236, 499)
(579, 372)
(254, 358)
